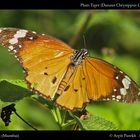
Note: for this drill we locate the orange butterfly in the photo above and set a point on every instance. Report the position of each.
(56, 71)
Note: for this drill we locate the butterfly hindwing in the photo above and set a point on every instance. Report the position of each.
(75, 95)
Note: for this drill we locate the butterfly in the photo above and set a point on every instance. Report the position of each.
(66, 76)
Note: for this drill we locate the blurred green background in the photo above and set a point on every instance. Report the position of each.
(112, 35)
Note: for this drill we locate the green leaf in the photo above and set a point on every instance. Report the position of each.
(13, 90)
(97, 123)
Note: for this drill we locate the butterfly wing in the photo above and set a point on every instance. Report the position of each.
(75, 94)
(107, 82)
(44, 58)
(95, 79)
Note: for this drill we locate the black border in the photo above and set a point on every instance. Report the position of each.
(66, 135)
(65, 4)
(70, 135)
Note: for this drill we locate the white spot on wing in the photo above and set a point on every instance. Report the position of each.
(113, 96)
(121, 71)
(11, 47)
(33, 32)
(0, 30)
(139, 94)
(13, 41)
(117, 77)
(20, 34)
(123, 91)
(127, 77)
(118, 97)
(114, 89)
(15, 51)
(19, 46)
(31, 38)
(126, 83)
(17, 59)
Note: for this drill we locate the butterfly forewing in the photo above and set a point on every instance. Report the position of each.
(107, 82)
(44, 58)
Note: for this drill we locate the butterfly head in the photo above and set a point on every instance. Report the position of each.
(78, 56)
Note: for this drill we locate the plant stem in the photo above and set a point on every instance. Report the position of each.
(54, 114)
(24, 120)
(59, 116)
(64, 117)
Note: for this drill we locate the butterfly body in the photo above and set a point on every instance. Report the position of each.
(78, 56)
(76, 59)
(57, 72)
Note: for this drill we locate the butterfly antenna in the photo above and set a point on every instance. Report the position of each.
(84, 39)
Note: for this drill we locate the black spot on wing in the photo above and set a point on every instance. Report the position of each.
(45, 73)
(54, 80)
(75, 90)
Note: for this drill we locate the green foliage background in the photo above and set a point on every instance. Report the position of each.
(107, 29)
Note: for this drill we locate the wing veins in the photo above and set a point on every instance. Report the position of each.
(97, 69)
(93, 78)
